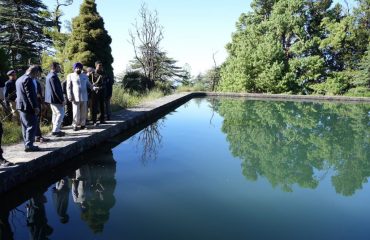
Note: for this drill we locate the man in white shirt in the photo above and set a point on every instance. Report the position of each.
(77, 85)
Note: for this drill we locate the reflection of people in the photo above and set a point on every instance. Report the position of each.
(81, 185)
(61, 198)
(102, 185)
(36, 218)
(28, 106)
(5, 229)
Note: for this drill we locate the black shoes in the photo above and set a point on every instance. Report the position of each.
(58, 134)
(41, 139)
(75, 128)
(83, 127)
(32, 149)
(4, 162)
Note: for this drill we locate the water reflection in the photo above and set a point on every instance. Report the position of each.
(149, 140)
(37, 222)
(298, 143)
(93, 190)
(61, 199)
(91, 187)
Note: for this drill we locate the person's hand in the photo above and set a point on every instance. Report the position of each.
(37, 111)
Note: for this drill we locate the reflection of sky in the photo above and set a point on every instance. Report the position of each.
(193, 29)
(195, 190)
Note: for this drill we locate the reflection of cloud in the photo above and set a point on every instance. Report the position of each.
(150, 139)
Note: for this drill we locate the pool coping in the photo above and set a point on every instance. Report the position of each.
(59, 150)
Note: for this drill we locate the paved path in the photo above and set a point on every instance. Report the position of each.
(57, 150)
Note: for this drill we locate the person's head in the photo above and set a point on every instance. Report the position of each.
(77, 67)
(98, 66)
(55, 67)
(34, 71)
(12, 74)
(89, 71)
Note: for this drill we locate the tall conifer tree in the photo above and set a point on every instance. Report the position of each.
(89, 40)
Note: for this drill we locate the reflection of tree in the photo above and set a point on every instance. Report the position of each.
(296, 143)
(149, 140)
(97, 191)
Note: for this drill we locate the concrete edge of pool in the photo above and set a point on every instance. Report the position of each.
(58, 150)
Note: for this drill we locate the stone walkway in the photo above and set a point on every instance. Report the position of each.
(57, 150)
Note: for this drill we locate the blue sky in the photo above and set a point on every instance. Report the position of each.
(193, 29)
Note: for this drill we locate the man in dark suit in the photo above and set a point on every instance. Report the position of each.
(54, 96)
(98, 80)
(28, 106)
(10, 94)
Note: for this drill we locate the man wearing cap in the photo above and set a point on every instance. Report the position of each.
(28, 106)
(77, 85)
(54, 96)
(10, 93)
(98, 79)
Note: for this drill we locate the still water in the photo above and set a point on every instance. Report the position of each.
(212, 169)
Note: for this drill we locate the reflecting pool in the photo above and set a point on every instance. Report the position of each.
(212, 169)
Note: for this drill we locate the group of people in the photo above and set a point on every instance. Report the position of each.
(83, 89)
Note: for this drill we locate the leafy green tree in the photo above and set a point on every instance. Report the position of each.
(22, 31)
(89, 40)
(57, 52)
(135, 81)
(296, 46)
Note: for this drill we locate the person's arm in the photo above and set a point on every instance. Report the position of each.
(29, 89)
(69, 88)
(56, 88)
(6, 94)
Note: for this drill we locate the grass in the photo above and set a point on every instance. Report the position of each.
(13, 132)
(123, 99)
(194, 88)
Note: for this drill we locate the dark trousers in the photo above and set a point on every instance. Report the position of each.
(107, 107)
(29, 125)
(97, 99)
(38, 129)
(68, 114)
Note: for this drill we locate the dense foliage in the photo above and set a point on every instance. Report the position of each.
(299, 46)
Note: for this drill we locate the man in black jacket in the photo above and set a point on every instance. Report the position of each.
(54, 96)
(28, 106)
(10, 94)
(98, 80)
